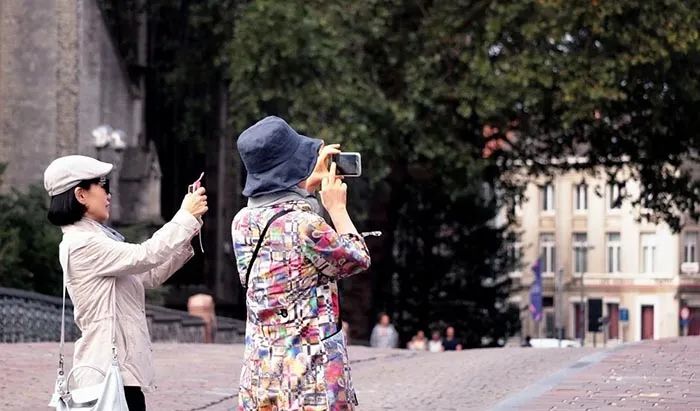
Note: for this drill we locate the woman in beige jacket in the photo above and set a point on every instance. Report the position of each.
(102, 271)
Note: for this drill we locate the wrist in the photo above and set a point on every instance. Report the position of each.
(337, 209)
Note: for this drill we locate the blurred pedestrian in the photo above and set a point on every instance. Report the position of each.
(418, 342)
(450, 343)
(384, 335)
(435, 343)
(202, 306)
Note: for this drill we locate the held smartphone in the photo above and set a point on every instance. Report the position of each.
(194, 186)
(347, 164)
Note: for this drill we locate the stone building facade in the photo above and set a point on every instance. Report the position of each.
(635, 275)
(60, 77)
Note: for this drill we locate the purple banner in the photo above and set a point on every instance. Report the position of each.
(536, 293)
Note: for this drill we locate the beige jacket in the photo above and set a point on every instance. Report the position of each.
(99, 269)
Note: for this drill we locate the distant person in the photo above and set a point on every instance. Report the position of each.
(384, 335)
(451, 343)
(418, 342)
(435, 343)
(202, 306)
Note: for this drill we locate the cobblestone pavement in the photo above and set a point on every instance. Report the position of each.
(661, 374)
(654, 375)
(204, 377)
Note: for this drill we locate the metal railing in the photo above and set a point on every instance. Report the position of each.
(27, 316)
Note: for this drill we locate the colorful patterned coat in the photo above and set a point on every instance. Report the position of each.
(295, 355)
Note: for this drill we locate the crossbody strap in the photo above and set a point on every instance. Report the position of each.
(63, 259)
(339, 322)
(260, 241)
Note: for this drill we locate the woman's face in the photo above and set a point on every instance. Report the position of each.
(96, 199)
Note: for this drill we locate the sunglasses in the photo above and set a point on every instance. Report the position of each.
(104, 183)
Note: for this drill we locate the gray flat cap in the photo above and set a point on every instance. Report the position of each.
(66, 172)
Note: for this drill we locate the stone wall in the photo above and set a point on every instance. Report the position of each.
(60, 77)
(28, 88)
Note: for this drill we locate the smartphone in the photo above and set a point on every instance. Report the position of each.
(347, 164)
(194, 186)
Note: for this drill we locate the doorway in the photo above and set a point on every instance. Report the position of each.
(647, 322)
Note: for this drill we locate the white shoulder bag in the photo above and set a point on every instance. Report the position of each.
(105, 396)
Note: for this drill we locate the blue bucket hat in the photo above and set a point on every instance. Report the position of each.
(275, 156)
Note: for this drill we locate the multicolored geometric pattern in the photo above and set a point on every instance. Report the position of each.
(295, 355)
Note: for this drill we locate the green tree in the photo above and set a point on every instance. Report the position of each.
(28, 243)
(615, 84)
(343, 72)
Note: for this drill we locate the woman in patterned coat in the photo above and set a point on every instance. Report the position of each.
(295, 354)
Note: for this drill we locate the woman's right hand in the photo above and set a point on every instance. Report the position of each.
(334, 192)
(334, 196)
(195, 203)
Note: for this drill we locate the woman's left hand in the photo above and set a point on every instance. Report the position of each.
(321, 168)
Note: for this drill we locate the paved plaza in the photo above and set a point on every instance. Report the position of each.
(652, 375)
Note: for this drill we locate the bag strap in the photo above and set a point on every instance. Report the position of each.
(339, 322)
(260, 241)
(63, 259)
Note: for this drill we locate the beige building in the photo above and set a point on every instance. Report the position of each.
(637, 276)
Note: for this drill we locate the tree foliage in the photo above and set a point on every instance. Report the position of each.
(615, 84)
(345, 73)
(28, 243)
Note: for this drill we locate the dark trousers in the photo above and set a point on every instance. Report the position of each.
(134, 398)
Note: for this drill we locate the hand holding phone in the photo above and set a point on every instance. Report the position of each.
(192, 188)
(348, 164)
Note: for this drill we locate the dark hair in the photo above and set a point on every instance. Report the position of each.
(65, 209)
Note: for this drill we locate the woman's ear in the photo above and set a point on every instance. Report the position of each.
(80, 195)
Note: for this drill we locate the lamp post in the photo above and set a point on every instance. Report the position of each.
(586, 247)
(582, 310)
(559, 303)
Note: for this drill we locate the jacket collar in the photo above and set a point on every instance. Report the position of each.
(84, 224)
(89, 225)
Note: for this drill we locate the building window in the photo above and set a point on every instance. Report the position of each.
(648, 253)
(547, 252)
(547, 197)
(614, 252)
(580, 253)
(690, 243)
(581, 197)
(614, 200)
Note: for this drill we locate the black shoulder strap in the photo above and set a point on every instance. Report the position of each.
(260, 241)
